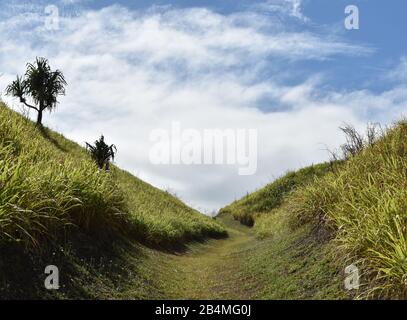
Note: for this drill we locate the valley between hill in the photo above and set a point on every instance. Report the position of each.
(113, 236)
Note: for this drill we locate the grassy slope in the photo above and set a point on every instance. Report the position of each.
(364, 205)
(354, 213)
(285, 262)
(56, 207)
(262, 201)
(308, 226)
(98, 260)
(161, 218)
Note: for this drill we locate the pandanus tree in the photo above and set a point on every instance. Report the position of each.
(102, 153)
(39, 88)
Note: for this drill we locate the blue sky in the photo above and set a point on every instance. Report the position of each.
(382, 26)
(287, 68)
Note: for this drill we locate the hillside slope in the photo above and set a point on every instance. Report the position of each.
(56, 207)
(351, 212)
(363, 206)
(271, 196)
(113, 236)
(285, 262)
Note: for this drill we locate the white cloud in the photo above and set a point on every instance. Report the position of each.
(399, 73)
(130, 72)
(291, 8)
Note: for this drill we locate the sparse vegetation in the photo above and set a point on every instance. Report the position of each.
(356, 142)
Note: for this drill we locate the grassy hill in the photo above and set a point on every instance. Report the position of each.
(272, 195)
(363, 207)
(286, 261)
(114, 236)
(319, 220)
(56, 206)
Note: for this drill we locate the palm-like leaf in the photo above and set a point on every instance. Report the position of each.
(101, 152)
(43, 84)
(40, 85)
(17, 89)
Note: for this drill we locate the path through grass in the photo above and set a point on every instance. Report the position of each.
(292, 266)
(210, 270)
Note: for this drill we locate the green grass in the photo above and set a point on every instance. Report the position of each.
(43, 191)
(56, 205)
(352, 212)
(165, 220)
(282, 262)
(364, 205)
(293, 264)
(114, 235)
(58, 208)
(290, 265)
(48, 184)
(262, 201)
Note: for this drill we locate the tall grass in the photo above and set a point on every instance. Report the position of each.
(364, 204)
(43, 191)
(50, 185)
(166, 220)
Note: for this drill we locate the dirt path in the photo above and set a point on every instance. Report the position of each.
(211, 270)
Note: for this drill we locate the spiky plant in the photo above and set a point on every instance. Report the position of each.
(39, 88)
(102, 153)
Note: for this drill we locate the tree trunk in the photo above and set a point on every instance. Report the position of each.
(39, 117)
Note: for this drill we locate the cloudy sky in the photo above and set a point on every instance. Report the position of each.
(288, 68)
